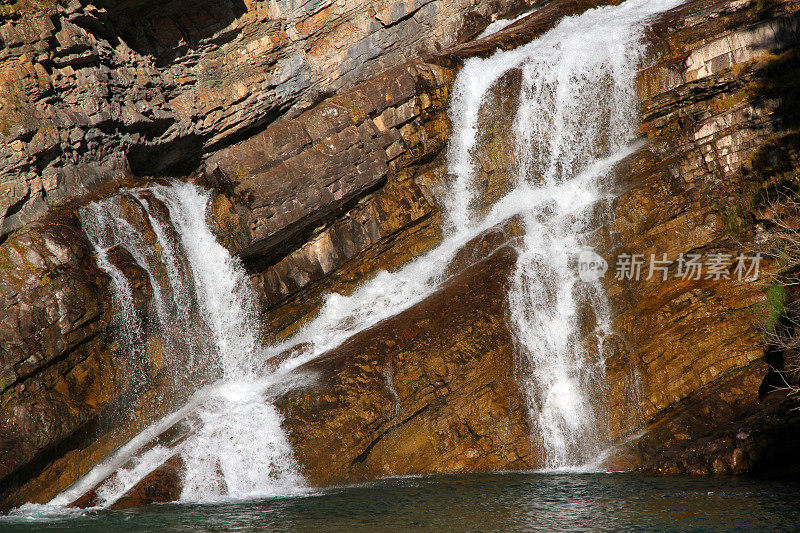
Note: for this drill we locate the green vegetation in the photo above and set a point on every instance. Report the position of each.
(733, 219)
(736, 211)
(775, 306)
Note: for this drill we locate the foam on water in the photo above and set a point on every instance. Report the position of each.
(235, 446)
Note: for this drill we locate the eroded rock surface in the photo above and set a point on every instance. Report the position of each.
(317, 193)
(54, 307)
(433, 389)
(94, 92)
(700, 188)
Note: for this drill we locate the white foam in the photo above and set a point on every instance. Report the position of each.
(577, 119)
(500, 24)
(237, 449)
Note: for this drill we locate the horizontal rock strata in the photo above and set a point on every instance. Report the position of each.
(695, 190)
(90, 93)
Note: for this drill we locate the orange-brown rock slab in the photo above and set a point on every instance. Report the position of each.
(430, 390)
(161, 485)
(695, 348)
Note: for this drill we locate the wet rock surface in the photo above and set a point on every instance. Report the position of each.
(54, 310)
(411, 395)
(758, 443)
(317, 194)
(70, 392)
(417, 395)
(92, 94)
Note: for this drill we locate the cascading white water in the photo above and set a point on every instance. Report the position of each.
(107, 228)
(500, 24)
(236, 447)
(576, 121)
(239, 449)
(102, 229)
(577, 114)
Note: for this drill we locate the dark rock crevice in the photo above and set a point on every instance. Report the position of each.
(169, 30)
(360, 458)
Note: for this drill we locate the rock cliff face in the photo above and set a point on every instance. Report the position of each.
(691, 353)
(94, 92)
(318, 192)
(415, 395)
(52, 338)
(71, 392)
(722, 152)
(62, 364)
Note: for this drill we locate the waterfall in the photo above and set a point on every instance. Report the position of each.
(500, 24)
(235, 446)
(100, 226)
(576, 121)
(577, 116)
(239, 450)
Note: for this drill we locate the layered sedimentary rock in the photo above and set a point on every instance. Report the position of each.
(394, 122)
(319, 192)
(72, 390)
(304, 173)
(295, 232)
(711, 115)
(690, 357)
(432, 390)
(60, 379)
(53, 317)
(94, 92)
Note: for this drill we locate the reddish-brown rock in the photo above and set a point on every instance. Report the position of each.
(91, 93)
(697, 347)
(432, 389)
(161, 485)
(319, 201)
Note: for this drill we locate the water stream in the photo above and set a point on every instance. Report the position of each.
(503, 503)
(576, 121)
(236, 447)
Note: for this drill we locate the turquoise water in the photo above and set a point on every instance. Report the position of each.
(498, 502)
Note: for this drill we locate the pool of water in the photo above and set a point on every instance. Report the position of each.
(496, 502)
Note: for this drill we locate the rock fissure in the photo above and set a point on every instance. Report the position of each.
(363, 455)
